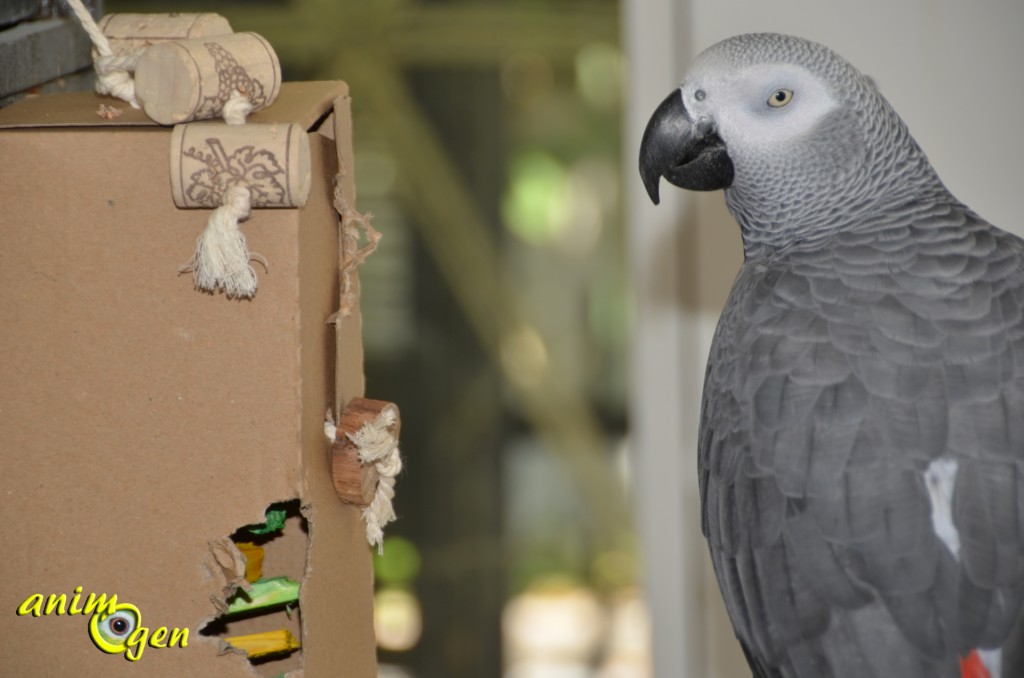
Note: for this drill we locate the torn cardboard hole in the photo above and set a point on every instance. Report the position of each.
(263, 566)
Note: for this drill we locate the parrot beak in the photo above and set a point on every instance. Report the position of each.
(690, 156)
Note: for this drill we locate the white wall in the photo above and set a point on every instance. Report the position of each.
(955, 72)
(664, 401)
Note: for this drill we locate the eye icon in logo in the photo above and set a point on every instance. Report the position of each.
(110, 630)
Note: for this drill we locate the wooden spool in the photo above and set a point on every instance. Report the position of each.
(130, 33)
(354, 482)
(271, 160)
(192, 79)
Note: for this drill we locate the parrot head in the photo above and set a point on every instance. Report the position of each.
(746, 103)
(787, 127)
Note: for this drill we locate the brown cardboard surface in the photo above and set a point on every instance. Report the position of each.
(140, 419)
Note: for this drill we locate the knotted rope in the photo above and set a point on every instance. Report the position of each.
(377, 446)
(113, 71)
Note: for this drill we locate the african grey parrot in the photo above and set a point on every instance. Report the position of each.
(861, 451)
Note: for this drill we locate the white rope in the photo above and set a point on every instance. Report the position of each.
(113, 71)
(236, 108)
(378, 446)
(221, 260)
(330, 428)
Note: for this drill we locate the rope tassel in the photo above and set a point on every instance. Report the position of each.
(221, 260)
(378, 447)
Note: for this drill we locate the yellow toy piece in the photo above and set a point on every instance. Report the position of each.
(265, 643)
(253, 560)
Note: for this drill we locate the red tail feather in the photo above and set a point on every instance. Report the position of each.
(972, 667)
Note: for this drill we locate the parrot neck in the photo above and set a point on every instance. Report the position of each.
(892, 173)
(766, 233)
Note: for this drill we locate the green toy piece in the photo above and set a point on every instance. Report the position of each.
(264, 593)
(274, 523)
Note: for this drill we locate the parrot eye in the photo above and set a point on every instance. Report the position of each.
(780, 98)
(699, 95)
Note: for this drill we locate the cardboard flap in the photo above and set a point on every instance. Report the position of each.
(304, 103)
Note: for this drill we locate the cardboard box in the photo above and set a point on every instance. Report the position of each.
(142, 422)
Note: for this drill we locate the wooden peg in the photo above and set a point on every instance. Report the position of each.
(355, 482)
